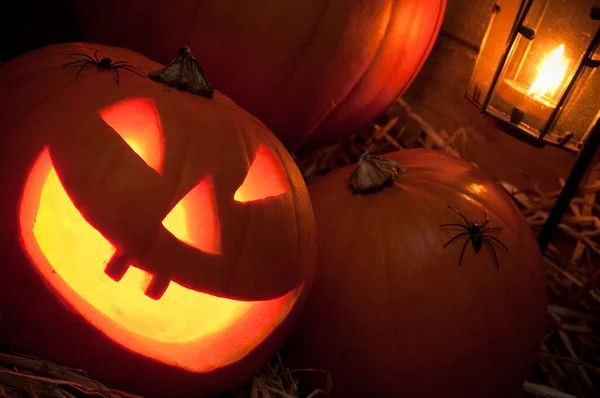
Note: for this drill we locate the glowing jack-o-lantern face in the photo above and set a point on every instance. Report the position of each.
(75, 258)
(177, 228)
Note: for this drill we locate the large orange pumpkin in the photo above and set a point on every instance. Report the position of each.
(313, 70)
(392, 313)
(161, 240)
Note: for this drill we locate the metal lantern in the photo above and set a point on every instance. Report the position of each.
(536, 73)
(537, 76)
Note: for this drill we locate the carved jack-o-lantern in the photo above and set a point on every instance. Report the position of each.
(172, 232)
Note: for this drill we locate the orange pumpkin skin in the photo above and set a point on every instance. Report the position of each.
(392, 314)
(313, 71)
(90, 169)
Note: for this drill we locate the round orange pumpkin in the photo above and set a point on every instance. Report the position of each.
(313, 71)
(162, 240)
(392, 313)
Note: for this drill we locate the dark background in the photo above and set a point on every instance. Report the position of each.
(29, 24)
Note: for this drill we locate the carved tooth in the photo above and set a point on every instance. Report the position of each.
(155, 286)
(117, 265)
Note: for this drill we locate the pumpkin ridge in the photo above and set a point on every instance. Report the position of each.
(356, 84)
(441, 10)
(388, 274)
(432, 39)
(336, 104)
(295, 203)
(247, 213)
(298, 240)
(353, 240)
(373, 102)
(309, 43)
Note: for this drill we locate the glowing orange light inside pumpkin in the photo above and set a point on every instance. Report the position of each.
(266, 178)
(198, 205)
(189, 329)
(137, 122)
(551, 73)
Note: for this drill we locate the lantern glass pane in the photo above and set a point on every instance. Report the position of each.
(582, 109)
(492, 48)
(538, 71)
(545, 66)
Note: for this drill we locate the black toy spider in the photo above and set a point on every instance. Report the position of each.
(475, 234)
(104, 63)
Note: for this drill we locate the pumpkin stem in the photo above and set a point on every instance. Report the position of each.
(184, 73)
(373, 173)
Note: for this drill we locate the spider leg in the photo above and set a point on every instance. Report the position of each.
(74, 62)
(82, 55)
(496, 240)
(455, 225)
(124, 63)
(489, 245)
(462, 252)
(127, 67)
(488, 229)
(487, 220)
(460, 214)
(96, 56)
(455, 237)
(83, 66)
(117, 73)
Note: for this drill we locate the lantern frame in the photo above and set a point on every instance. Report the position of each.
(487, 80)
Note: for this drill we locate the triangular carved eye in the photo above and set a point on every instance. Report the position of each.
(266, 178)
(137, 122)
(194, 220)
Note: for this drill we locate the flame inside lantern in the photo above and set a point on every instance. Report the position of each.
(551, 73)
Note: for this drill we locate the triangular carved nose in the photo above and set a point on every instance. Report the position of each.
(194, 219)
